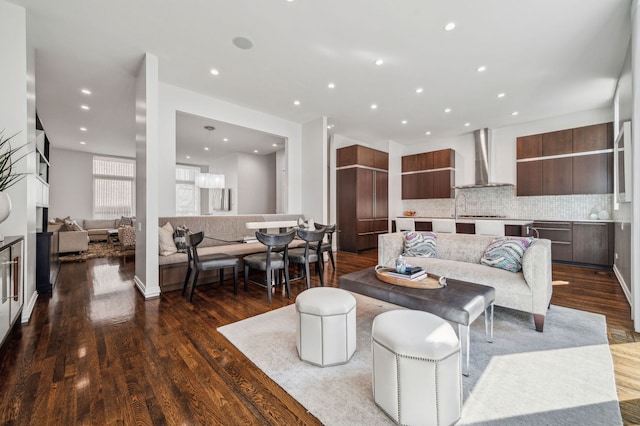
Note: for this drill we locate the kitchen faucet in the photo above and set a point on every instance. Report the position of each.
(455, 204)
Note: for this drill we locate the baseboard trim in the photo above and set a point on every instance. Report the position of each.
(28, 309)
(143, 289)
(623, 284)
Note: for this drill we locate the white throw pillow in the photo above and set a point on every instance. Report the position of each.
(165, 240)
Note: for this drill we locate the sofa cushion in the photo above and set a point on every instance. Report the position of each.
(126, 221)
(165, 240)
(180, 238)
(506, 253)
(420, 244)
(71, 225)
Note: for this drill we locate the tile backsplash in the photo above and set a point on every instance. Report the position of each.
(502, 201)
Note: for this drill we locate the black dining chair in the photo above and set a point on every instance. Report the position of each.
(310, 253)
(276, 258)
(213, 261)
(327, 246)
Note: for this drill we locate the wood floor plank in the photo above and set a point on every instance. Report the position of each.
(95, 352)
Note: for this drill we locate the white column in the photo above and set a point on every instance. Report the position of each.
(314, 170)
(147, 177)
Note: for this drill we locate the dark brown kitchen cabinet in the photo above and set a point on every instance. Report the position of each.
(362, 197)
(593, 174)
(557, 176)
(423, 176)
(561, 236)
(564, 162)
(529, 178)
(593, 243)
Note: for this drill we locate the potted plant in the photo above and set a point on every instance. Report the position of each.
(8, 175)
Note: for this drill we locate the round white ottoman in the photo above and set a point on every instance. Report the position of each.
(326, 326)
(416, 368)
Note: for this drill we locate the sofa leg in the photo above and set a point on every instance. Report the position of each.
(538, 319)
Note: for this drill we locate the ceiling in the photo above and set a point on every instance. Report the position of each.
(548, 57)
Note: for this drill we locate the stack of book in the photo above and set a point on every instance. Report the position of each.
(412, 273)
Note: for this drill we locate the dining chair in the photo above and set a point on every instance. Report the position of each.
(214, 261)
(405, 224)
(490, 227)
(443, 225)
(310, 253)
(271, 260)
(327, 245)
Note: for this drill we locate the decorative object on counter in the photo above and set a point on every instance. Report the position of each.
(409, 213)
(603, 215)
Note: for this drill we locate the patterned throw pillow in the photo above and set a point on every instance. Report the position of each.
(420, 244)
(180, 238)
(506, 253)
(124, 221)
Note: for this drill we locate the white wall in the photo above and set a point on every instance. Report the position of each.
(16, 115)
(71, 184)
(173, 99)
(256, 184)
(280, 180)
(314, 163)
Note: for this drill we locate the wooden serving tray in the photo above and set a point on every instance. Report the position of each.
(426, 283)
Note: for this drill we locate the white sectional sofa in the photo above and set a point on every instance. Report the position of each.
(459, 257)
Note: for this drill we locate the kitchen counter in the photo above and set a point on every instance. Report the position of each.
(507, 221)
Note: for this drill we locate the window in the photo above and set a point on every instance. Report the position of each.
(113, 187)
(187, 193)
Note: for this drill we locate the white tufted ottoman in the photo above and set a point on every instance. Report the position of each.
(326, 326)
(416, 368)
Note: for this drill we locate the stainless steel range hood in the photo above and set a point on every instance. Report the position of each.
(481, 139)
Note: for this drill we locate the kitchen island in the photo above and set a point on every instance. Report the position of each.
(466, 224)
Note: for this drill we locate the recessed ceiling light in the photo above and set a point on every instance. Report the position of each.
(206, 148)
(501, 95)
(419, 90)
(447, 110)
(404, 121)
(83, 129)
(331, 86)
(242, 43)
(379, 62)
(225, 140)
(427, 133)
(255, 150)
(83, 143)
(289, 1)
(481, 68)
(188, 157)
(450, 26)
(86, 91)
(274, 144)
(467, 124)
(374, 106)
(515, 113)
(214, 71)
(85, 107)
(296, 103)
(330, 126)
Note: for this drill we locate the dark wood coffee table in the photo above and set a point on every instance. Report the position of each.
(460, 302)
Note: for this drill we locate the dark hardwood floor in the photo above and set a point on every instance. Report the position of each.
(95, 352)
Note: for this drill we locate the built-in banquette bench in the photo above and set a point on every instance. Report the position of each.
(223, 234)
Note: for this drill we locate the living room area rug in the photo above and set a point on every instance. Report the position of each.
(560, 377)
(97, 249)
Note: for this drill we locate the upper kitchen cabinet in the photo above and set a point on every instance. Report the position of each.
(362, 156)
(428, 175)
(572, 161)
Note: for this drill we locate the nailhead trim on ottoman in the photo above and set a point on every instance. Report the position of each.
(326, 326)
(416, 368)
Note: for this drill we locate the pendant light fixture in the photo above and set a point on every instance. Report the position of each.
(209, 180)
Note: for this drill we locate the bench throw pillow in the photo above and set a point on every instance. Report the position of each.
(506, 253)
(420, 244)
(180, 238)
(165, 240)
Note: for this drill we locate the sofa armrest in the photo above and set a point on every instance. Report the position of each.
(72, 241)
(390, 246)
(536, 267)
